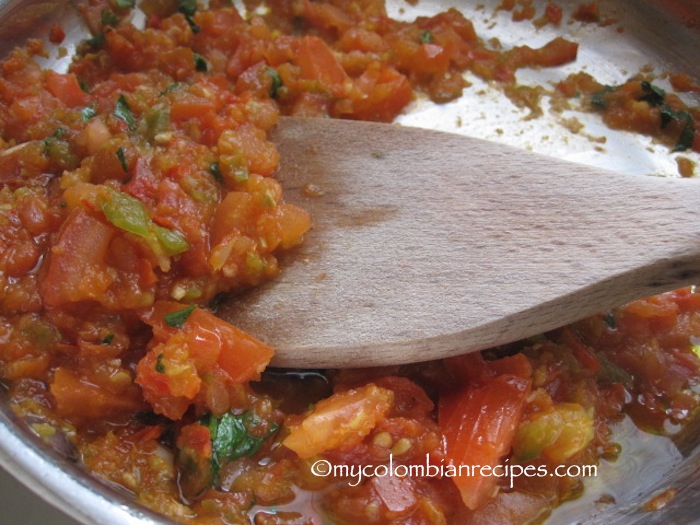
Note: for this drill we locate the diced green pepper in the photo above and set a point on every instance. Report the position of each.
(126, 212)
(172, 241)
(123, 112)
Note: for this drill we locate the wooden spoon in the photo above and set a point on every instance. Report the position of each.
(429, 244)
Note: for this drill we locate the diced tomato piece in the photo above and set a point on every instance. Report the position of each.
(326, 16)
(242, 356)
(66, 88)
(397, 493)
(385, 92)
(340, 421)
(76, 267)
(257, 153)
(197, 438)
(557, 52)
(80, 398)
(317, 62)
(191, 107)
(174, 372)
(479, 424)
(212, 340)
(553, 13)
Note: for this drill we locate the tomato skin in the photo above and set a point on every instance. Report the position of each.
(479, 423)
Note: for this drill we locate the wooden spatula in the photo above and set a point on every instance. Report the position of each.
(427, 244)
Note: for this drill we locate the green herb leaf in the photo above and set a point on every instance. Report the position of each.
(426, 37)
(216, 301)
(122, 159)
(107, 339)
(687, 136)
(96, 42)
(215, 170)
(277, 83)
(172, 87)
(189, 8)
(232, 437)
(200, 63)
(123, 112)
(87, 113)
(124, 4)
(610, 372)
(598, 98)
(654, 95)
(109, 18)
(59, 150)
(177, 319)
(160, 367)
(610, 320)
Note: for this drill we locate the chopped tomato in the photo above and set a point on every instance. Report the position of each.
(479, 424)
(195, 348)
(80, 398)
(384, 93)
(317, 62)
(66, 88)
(340, 421)
(77, 269)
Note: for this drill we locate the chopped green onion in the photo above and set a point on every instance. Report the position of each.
(189, 8)
(157, 121)
(654, 95)
(123, 112)
(426, 37)
(87, 113)
(160, 367)
(610, 320)
(172, 241)
(215, 170)
(598, 98)
(200, 63)
(97, 41)
(122, 159)
(172, 87)
(109, 18)
(124, 4)
(126, 213)
(277, 83)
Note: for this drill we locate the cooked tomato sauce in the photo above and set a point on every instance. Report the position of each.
(138, 187)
